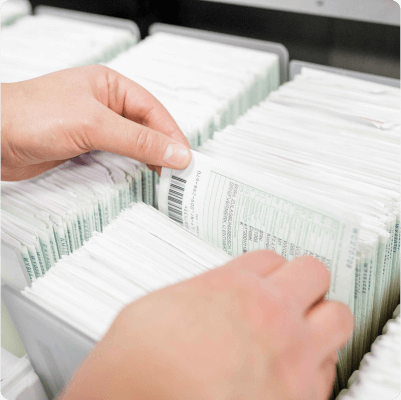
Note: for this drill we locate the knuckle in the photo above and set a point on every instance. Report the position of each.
(86, 136)
(343, 316)
(97, 69)
(310, 260)
(261, 257)
(272, 256)
(147, 113)
(143, 142)
(324, 274)
(317, 268)
(334, 358)
(306, 259)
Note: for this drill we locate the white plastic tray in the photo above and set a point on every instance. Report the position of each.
(54, 347)
(296, 66)
(262, 45)
(94, 18)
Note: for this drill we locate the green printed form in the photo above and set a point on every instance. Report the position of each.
(238, 212)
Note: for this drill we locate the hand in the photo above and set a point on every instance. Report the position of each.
(256, 328)
(47, 120)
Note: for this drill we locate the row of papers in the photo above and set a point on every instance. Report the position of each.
(140, 251)
(12, 10)
(378, 376)
(190, 77)
(56, 213)
(312, 170)
(39, 44)
(204, 85)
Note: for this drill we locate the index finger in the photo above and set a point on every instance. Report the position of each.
(134, 102)
(332, 324)
(305, 280)
(260, 262)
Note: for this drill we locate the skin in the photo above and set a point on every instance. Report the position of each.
(253, 329)
(50, 119)
(256, 328)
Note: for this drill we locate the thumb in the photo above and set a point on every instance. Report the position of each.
(120, 135)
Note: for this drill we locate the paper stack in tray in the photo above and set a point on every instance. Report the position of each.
(204, 85)
(378, 376)
(54, 214)
(313, 170)
(140, 251)
(40, 44)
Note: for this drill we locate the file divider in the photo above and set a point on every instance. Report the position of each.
(296, 67)
(93, 18)
(255, 44)
(55, 348)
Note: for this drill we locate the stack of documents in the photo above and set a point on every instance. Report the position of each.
(312, 170)
(140, 251)
(379, 374)
(40, 44)
(18, 379)
(204, 85)
(11, 10)
(56, 213)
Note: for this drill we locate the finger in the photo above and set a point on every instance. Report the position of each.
(155, 169)
(326, 377)
(318, 301)
(331, 323)
(29, 171)
(334, 358)
(130, 99)
(304, 279)
(119, 135)
(260, 262)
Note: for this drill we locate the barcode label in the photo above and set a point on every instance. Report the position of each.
(175, 196)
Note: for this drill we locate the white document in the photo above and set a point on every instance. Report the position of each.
(240, 213)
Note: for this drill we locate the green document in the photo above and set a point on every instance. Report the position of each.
(239, 213)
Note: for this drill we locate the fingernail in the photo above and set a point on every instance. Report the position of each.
(176, 155)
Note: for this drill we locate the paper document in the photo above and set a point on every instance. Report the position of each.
(241, 213)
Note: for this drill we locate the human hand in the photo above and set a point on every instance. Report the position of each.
(256, 328)
(47, 120)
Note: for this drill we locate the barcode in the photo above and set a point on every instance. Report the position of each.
(175, 195)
